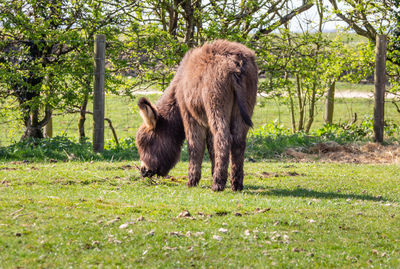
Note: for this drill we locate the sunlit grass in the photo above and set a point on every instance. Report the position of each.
(289, 215)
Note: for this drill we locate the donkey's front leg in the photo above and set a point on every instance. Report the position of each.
(196, 138)
(237, 159)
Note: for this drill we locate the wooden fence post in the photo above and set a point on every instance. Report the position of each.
(330, 103)
(48, 128)
(380, 81)
(98, 93)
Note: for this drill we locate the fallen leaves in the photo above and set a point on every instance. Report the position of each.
(16, 212)
(151, 233)
(184, 214)
(141, 218)
(377, 253)
(198, 234)
(217, 237)
(129, 223)
(170, 248)
(113, 220)
(187, 234)
(126, 224)
(263, 210)
(6, 183)
(179, 234)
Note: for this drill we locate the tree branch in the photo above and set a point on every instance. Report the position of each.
(306, 6)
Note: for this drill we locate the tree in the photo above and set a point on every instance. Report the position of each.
(45, 46)
(300, 67)
(195, 21)
(39, 42)
(372, 19)
(162, 31)
(366, 17)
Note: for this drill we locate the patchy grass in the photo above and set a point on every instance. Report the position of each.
(73, 214)
(345, 86)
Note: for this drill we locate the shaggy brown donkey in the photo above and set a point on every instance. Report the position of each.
(209, 102)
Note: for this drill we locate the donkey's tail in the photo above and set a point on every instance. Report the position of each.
(240, 94)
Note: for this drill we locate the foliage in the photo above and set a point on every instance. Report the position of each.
(268, 141)
(150, 58)
(42, 45)
(65, 149)
(299, 68)
(46, 50)
(366, 17)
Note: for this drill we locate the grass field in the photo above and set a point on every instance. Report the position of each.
(102, 214)
(343, 86)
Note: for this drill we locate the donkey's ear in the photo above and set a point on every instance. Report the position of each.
(148, 113)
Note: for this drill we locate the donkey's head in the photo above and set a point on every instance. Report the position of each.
(159, 140)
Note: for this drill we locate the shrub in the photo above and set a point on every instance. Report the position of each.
(266, 142)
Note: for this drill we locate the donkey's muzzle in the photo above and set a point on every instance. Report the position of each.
(147, 173)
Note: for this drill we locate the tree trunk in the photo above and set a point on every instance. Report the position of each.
(301, 104)
(173, 17)
(292, 116)
(34, 127)
(311, 110)
(191, 21)
(330, 102)
(82, 119)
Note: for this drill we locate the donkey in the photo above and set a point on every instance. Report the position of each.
(209, 102)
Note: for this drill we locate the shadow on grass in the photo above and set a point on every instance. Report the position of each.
(306, 193)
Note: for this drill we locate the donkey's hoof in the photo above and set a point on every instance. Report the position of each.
(218, 187)
(192, 184)
(237, 187)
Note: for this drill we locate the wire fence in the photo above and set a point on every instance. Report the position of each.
(132, 73)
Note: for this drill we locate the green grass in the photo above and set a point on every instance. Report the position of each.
(344, 86)
(59, 215)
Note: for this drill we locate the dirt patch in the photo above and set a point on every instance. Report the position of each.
(370, 153)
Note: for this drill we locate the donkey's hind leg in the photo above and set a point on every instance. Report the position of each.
(221, 145)
(238, 146)
(210, 148)
(218, 108)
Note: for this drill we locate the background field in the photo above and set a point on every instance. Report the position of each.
(125, 117)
